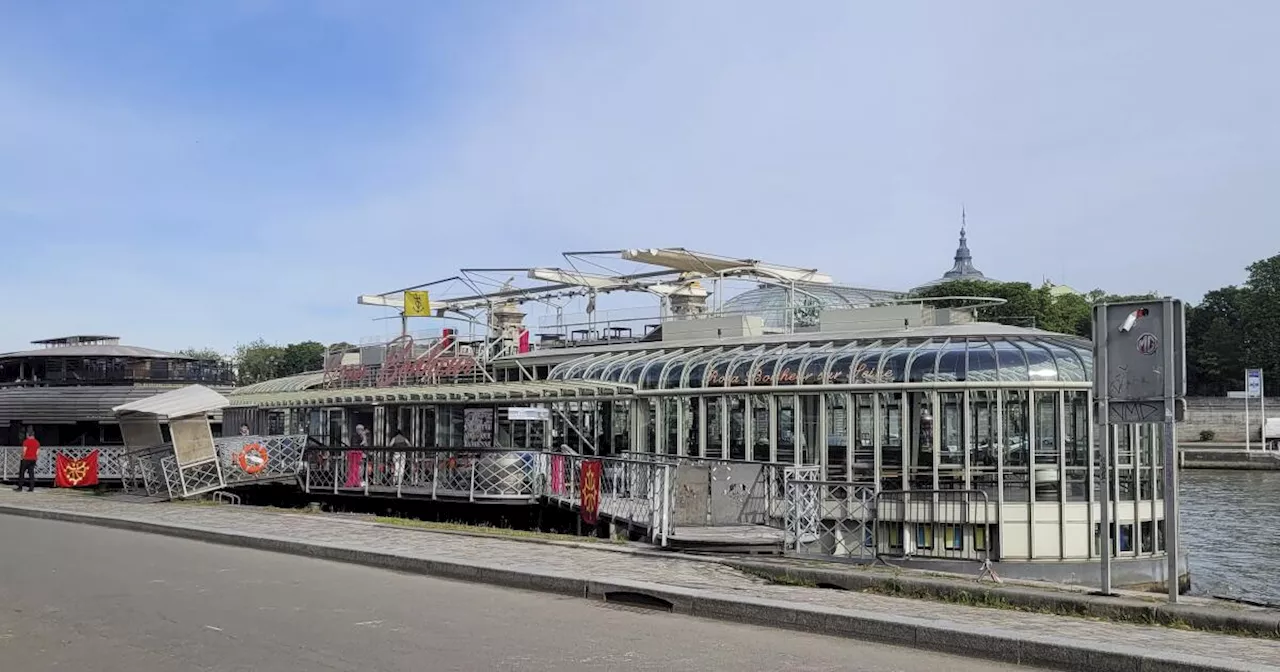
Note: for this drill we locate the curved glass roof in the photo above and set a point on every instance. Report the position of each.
(975, 359)
(773, 302)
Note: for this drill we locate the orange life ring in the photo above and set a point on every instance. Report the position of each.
(255, 464)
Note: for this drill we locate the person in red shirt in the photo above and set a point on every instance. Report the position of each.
(27, 467)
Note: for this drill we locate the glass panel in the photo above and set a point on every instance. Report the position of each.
(1041, 365)
(786, 405)
(864, 446)
(1076, 435)
(1048, 464)
(621, 427)
(761, 426)
(982, 362)
(921, 472)
(670, 422)
(841, 365)
(809, 429)
(740, 370)
(837, 437)
(692, 430)
(695, 372)
(1013, 362)
(951, 434)
(923, 363)
(673, 373)
(763, 373)
(715, 431)
(596, 369)
(951, 362)
(1070, 366)
(1016, 456)
(653, 371)
(718, 368)
(810, 371)
(737, 409)
(866, 368)
(613, 370)
(890, 440)
(788, 372)
(649, 425)
(631, 372)
(893, 366)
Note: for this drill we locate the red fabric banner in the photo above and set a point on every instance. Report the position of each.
(72, 472)
(589, 490)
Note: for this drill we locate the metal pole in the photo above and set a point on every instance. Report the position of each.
(1104, 449)
(1247, 445)
(1170, 456)
(1262, 405)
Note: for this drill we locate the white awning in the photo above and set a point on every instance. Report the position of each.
(189, 400)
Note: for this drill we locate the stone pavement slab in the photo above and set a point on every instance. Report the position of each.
(682, 576)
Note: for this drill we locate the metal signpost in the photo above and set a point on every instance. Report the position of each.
(1253, 390)
(1140, 377)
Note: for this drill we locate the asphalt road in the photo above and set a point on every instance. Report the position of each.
(76, 597)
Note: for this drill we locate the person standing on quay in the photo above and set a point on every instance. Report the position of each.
(27, 467)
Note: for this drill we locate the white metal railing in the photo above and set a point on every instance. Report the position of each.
(434, 473)
(638, 492)
(110, 460)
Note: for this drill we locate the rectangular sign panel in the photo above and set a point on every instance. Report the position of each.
(192, 440)
(1133, 349)
(477, 428)
(528, 413)
(1253, 383)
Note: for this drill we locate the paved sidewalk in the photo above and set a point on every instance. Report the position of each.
(675, 572)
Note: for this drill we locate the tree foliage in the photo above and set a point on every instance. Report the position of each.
(258, 360)
(202, 354)
(1024, 306)
(1231, 329)
(1234, 328)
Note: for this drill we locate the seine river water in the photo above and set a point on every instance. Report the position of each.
(1227, 519)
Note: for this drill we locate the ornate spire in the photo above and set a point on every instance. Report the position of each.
(963, 266)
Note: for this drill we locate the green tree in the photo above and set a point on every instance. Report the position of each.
(1216, 342)
(202, 354)
(257, 361)
(1260, 312)
(1024, 305)
(301, 358)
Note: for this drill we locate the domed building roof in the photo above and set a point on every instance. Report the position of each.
(772, 302)
(962, 267)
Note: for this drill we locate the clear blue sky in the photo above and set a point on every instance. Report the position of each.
(205, 173)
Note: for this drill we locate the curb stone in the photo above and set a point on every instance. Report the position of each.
(1080, 605)
(947, 637)
(1257, 623)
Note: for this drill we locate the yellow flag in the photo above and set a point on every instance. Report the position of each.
(417, 304)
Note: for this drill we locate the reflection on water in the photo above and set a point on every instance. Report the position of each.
(1228, 528)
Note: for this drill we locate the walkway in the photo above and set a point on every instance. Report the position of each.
(673, 571)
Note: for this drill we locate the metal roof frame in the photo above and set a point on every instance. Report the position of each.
(453, 393)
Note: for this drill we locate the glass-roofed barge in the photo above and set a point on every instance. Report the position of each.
(854, 424)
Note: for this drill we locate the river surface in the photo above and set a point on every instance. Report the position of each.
(1229, 529)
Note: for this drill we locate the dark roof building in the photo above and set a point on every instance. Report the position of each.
(66, 389)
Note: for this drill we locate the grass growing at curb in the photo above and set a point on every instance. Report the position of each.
(980, 597)
(488, 530)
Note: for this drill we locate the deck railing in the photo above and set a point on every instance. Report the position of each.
(435, 473)
(851, 521)
(110, 460)
(638, 492)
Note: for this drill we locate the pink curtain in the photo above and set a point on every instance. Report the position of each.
(557, 474)
(355, 468)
